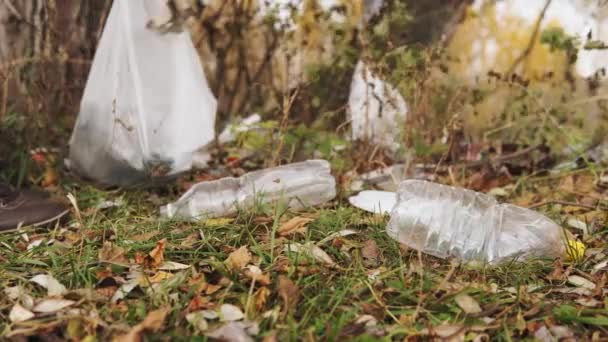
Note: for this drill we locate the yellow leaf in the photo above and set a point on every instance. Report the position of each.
(261, 297)
(156, 278)
(575, 250)
(238, 259)
(157, 255)
(296, 225)
(218, 222)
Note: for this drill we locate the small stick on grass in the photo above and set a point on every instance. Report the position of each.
(574, 204)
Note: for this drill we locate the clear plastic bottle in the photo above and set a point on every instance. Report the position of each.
(447, 222)
(300, 185)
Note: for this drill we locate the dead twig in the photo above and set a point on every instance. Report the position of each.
(504, 158)
(573, 204)
(532, 40)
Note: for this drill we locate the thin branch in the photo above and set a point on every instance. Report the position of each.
(532, 40)
(573, 204)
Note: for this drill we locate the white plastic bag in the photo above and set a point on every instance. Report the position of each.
(147, 105)
(377, 110)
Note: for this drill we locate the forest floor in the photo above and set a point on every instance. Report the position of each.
(115, 270)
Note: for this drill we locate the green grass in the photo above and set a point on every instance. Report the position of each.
(410, 294)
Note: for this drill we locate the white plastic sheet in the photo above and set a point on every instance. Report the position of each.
(147, 105)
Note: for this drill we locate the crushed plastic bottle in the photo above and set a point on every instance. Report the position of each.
(448, 222)
(300, 185)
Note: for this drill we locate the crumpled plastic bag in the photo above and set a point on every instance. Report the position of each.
(146, 107)
(376, 109)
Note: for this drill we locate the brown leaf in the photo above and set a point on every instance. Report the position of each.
(112, 254)
(289, 293)
(558, 272)
(567, 183)
(190, 240)
(159, 276)
(255, 273)
(140, 258)
(374, 309)
(153, 322)
(144, 237)
(49, 178)
(198, 303)
(599, 286)
(197, 283)
(157, 255)
(104, 273)
(261, 297)
(211, 289)
(451, 332)
(238, 259)
(370, 253)
(271, 337)
(296, 225)
(107, 291)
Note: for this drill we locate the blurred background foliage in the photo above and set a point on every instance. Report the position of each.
(294, 66)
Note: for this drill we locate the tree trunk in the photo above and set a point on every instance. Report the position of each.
(46, 47)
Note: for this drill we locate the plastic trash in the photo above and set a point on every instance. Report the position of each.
(389, 178)
(229, 134)
(377, 202)
(146, 107)
(202, 157)
(371, 8)
(447, 222)
(300, 185)
(377, 110)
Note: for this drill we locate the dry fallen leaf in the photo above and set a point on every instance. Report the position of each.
(113, 254)
(49, 178)
(333, 236)
(238, 259)
(158, 277)
(581, 282)
(154, 322)
(157, 255)
(218, 222)
(173, 266)
(370, 253)
(197, 320)
(296, 225)
(312, 251)
(588, 302)
(261, 297)
(20, 314)
(52, 305)
(289, 293)
(230, 313)
(18, 293)
(233, 331)
(255, 273)
(449, 331)
(14, 292)
(212, 288)
(124, 290)
(467, 303)
(54, 287)
(198, 303)
(144, 237)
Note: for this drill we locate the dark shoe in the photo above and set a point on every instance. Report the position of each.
(27, 208)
